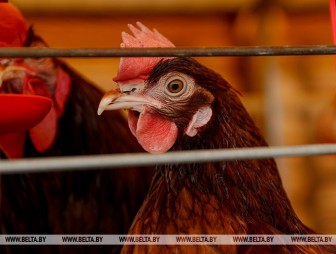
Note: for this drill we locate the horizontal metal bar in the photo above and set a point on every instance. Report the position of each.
(151, 52)
(144, 159)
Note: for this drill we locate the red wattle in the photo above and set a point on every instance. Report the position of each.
(154, 133)
(43, 134)
(132, 122)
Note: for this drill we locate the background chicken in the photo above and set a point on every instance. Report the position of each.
(179, 104)
(82, 202)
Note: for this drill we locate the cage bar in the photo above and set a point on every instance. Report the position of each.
(28, 52)
(144, 159)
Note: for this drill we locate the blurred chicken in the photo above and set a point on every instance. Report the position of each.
(178, 104)
(83, 202)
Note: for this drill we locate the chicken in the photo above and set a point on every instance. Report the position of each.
(76, 202)
(178, 104)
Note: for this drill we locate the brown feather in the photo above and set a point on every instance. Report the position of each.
(228, 197)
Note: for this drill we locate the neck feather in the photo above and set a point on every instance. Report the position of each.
(250, 187)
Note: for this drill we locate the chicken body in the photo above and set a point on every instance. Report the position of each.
(229, 197)
(239, 197)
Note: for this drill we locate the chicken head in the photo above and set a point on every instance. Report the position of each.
(30, 76)
(163, 98)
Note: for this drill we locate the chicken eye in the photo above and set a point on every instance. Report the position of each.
(175, 86)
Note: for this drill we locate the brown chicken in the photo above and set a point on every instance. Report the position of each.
(178, 104)
(98, 201)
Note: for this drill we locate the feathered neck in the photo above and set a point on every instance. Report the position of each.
(251, 187)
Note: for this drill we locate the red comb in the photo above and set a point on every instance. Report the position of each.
(138, 68)
(13, 28)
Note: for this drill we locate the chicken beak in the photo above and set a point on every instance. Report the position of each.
(107, 100)
(13, 72)
(115, 99)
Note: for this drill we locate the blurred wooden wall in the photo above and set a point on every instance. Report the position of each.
(287, 96)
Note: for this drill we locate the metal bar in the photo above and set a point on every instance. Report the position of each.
(151, 52)
(144, 159)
